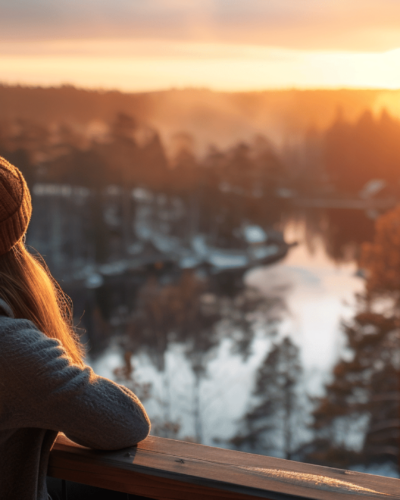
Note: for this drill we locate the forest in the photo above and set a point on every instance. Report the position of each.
(119, 200)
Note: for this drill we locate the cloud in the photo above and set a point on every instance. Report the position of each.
(304, 24)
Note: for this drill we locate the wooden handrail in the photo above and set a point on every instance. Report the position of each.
(165, 469)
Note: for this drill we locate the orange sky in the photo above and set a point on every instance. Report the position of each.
(221, 44)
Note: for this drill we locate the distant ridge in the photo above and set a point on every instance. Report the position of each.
(210, 116)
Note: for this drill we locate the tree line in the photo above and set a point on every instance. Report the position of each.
(220, 190)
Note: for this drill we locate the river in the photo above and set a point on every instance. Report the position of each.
(317, 292)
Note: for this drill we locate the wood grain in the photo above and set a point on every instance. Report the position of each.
(166, 469)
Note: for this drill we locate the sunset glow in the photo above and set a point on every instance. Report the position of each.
(152, 64)
(136, 46)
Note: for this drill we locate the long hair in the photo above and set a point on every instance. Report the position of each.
(32, 293)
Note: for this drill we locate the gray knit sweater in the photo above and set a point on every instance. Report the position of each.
(41, 394)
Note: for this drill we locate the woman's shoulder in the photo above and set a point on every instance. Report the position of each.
(21, 336)
(12, 326)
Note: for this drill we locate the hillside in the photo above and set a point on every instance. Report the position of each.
(211, 117)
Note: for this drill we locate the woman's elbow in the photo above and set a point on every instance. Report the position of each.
(141, 429)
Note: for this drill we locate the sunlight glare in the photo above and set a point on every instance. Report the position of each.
(153, 65)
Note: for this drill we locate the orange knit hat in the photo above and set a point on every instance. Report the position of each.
(15, 206)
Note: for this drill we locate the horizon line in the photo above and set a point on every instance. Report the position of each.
(200, 88)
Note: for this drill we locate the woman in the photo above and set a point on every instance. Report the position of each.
(45, 387)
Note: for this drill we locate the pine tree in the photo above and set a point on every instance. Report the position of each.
(271, 426)
(381, 259)
(356, 421)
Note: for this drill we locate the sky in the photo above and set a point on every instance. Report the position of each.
(230, 45)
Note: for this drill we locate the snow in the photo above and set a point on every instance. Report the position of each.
(259, 253)
(189, 262)
(372, 187)
(114, 268)
(141, 194)
(228, 261)
(94, 281)
(63, 190)
(199, 246)
(254, 234)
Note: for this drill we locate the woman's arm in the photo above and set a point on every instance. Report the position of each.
(46, 391)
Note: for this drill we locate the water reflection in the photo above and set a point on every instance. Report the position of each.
(319, 294)
(200, 339)
(340, 231)
(180, 329)
(273, 422)
(237, 356)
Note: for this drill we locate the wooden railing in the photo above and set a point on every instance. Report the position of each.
(165, 469)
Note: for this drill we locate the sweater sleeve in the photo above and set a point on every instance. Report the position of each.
(51, 393)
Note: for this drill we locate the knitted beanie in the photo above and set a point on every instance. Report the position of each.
(15, 206)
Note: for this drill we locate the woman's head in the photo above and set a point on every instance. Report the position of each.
(25, 282)
(15, 206)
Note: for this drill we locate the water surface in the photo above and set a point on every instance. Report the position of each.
(317, 293)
